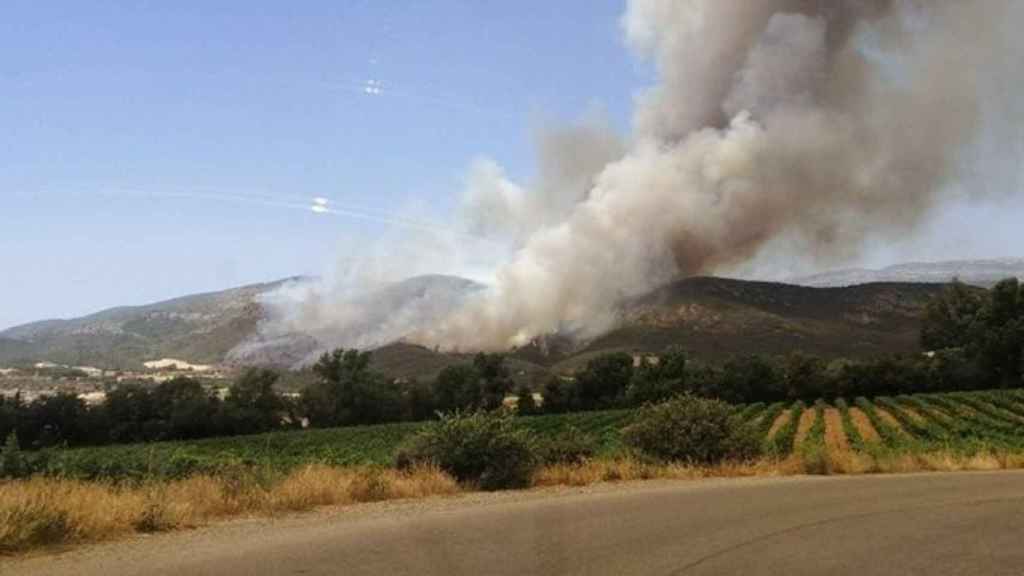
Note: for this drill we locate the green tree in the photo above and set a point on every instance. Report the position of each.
(346, 392)
(950, 316)
(482, 384)
(252, 404)
(997, 338)
(654, 381)
(602, 383)
(526, 405)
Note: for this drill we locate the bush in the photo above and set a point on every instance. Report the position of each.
(13, 463)
(28, 525)
(485, 448)
(693, 430)
(569, 447)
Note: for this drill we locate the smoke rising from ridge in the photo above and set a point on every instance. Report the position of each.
(816, 124)
(778, 130)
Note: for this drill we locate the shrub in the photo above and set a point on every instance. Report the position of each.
(694, 430)
(485, 448)
(32, 524)
(569, 447)
(13, 463)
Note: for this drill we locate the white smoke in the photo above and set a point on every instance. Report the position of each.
(812, 125)
(778, 131)
(569, 159)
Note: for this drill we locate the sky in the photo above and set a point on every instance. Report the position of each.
(154, 149)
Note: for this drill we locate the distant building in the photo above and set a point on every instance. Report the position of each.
(172, 364)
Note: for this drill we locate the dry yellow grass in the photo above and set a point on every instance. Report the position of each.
(891, 420)
(804, 426)
(780, 421)
(867, 431)
(43, 511)
(835, 437)
(630, 469)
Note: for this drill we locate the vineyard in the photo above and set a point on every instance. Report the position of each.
(963, 423)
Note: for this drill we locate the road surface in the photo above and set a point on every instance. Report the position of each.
(937, 524)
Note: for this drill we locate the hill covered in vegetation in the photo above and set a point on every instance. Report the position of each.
(713, 318)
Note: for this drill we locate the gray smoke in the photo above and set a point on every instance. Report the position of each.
(811, 125)
(568, 158)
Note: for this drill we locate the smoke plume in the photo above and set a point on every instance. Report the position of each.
(809, 124)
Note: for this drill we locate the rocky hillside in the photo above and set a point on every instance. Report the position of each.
(714, 318)
(200, 329)
(711, 317)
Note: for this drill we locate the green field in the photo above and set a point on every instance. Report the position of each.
(966, 423)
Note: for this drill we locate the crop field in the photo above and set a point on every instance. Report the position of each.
(282, 451)
(960, 423)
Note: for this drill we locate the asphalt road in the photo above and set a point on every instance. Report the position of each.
(936, 524)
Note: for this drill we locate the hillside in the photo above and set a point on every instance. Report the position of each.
(200, 329)
(713, 318)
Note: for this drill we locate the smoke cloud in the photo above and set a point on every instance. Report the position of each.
(809, 124)
(777, 131)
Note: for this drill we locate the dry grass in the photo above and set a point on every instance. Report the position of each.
(867, 431)
(891, 420)
(835, 438)
(630, 469)
(44, 511)
(780, 421)
(804, 426)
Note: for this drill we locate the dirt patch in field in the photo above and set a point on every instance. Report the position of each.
(780, 421)
(890, 420)
(806, 421)
(863, 425)
(835, 438)
(914, 414)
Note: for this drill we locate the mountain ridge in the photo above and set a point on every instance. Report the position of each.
(712, 317)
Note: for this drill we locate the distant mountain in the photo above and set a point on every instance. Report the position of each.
(716, 318)
(712, 318)
(369, 320)
(200, 329)
(984, 273)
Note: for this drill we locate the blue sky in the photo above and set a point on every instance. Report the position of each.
(141, 141)
(109, 109)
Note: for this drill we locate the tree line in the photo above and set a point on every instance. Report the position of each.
(971, 339)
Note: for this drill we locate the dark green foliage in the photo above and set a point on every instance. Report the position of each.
(560, 396)
(949, 317)
(348, 393)
(749, 379)
(654, 381)
(13, 463)
(997, 338)
(570, 446)
(853, 436)
(482, 384)
(804, 376)
(781, 444)
(602, 383)
(487, 449)
(694, 430)
(988, 327)
(526, 404)
(252, 406)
